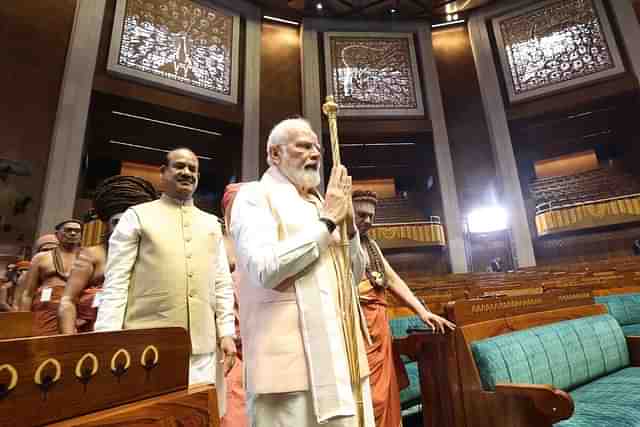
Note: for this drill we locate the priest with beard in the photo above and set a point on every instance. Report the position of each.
(288, 247)
(379, 280)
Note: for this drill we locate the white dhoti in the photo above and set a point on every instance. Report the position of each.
(202, 369)
(296, 409)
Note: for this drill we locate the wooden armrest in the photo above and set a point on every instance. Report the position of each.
(633, 343)
(401, 371)
(411, 344)
(556, 405)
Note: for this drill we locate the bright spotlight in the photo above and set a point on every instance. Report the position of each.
(487, 219)
(319, 6)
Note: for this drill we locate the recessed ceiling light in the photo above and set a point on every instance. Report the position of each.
(284, 21)
(319, 6)
(393, 10)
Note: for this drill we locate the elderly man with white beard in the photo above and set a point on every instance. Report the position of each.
(287, 245)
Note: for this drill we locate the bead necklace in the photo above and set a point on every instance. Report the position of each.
(375, 266)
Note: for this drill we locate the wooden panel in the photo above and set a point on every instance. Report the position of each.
(351, 128)
(280, 79)
(480, 310)
(616, 291)
(54, 361)
(567, 165)
(608, 88)
(16, 325)
(597, 245)
(384, 188)
(196, 407)
(34, 36)
(418, 261)
(107, 83)
(634, 350)
(149, 172)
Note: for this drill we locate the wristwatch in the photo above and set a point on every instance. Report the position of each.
(330, 224)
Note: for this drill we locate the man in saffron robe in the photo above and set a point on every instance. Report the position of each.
(79, 304)
(380, 277)
(48, 276)
(236, 415)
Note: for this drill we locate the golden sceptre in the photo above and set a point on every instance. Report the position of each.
(347, 296)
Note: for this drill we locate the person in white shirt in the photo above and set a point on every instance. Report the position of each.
(167, 266)
(286, 241)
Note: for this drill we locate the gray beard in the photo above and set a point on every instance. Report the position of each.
(301, 178)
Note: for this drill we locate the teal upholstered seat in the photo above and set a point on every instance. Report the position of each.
(626, 309)
(631, 330)
(400, 325)
(565, 354)
(410, 396)
(587, 356)
(610, 401)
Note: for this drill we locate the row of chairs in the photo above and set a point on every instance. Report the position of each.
(593, 185)
(475, 298)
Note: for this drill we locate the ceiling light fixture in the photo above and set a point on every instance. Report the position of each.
(282, 20)
(162, 122)
(146, 147)
(319, 6)
(393, 10)
(444, 24)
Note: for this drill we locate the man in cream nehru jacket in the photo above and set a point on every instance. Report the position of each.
(167, 266)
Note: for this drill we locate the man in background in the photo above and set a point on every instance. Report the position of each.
(380, 278)
(47, 278)
(79, 304)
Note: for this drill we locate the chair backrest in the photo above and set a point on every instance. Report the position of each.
(564, 354)
(624, 307)
(400, 325)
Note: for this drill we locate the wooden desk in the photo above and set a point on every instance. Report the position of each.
(16, 324)
(44, 380)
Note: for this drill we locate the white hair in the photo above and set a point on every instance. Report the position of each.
(281, 133)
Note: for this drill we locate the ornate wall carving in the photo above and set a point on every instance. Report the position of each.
(555, 45)
(179, 44)
(373, 73)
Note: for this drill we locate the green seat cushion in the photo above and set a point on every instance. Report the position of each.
(411, 394)
(565, 354)
(631, 330)
(610, 401)
(400, 325)
(624, 307)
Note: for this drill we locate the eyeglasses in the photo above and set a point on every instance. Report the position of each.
(308, 146)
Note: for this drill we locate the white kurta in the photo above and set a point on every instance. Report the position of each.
(265, 261)
(123, 250)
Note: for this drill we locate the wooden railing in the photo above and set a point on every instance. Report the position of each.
(410, 234)
(552, 219)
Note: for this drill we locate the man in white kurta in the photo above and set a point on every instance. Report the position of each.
(167, 266)
(286, 240)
